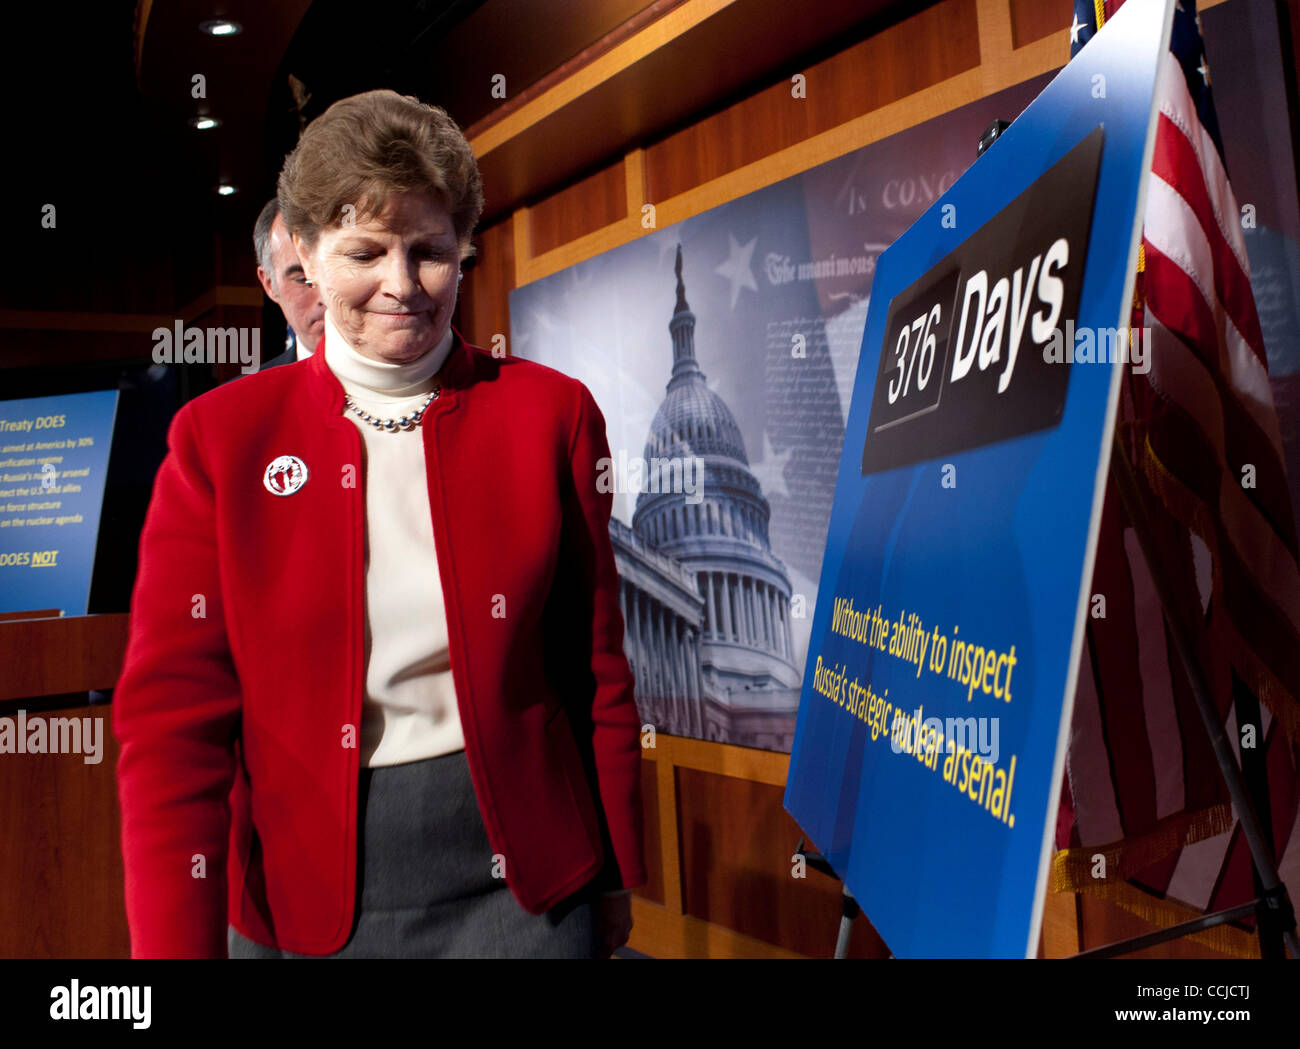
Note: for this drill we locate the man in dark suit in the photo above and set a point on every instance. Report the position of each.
(285, 284)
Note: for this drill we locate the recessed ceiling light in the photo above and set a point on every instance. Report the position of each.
(204, 123)
(226, 189)
(220, 27)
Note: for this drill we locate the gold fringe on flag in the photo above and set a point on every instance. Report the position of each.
(1226, 939)
(1072, 871)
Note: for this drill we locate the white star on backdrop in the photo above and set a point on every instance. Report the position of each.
(771, 471)
(736, 268)
(1074, 29)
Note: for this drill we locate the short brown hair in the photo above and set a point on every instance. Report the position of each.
(368, 146)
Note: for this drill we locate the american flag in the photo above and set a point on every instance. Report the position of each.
(1143, 788)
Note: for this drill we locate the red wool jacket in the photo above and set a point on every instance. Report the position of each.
(245, 664)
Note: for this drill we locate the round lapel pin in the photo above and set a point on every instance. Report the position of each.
(285, 475)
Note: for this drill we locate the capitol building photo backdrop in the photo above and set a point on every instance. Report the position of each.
(705, 601)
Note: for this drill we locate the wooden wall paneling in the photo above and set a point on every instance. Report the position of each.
(1023, 63)
(995, 31)
(811, 906)
(575, 99)
(669, 809)
(635, 183)
(63, 884)
(590, 204)
(522, 228)
(653, 889)
(1034, 19)
(587, 31)
(737, 870)
(44, 657)
(905, 112)
(651, 75)
(483, 308)
(527, 111)
(661, 934)
(905, 58)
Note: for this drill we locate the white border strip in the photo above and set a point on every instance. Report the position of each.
(1103, 470)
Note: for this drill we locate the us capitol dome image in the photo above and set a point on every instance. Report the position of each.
(705, 601)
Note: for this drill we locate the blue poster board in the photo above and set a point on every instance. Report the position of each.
(940, 676)
(53, 465)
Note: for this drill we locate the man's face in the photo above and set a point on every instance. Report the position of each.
(301, 305)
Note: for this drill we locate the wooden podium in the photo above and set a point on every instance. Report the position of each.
(62, 864)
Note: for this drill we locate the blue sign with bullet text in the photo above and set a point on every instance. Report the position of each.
(53, 465)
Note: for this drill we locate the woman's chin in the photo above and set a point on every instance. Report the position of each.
(405, 350)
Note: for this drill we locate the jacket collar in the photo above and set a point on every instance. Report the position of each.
(457, 373)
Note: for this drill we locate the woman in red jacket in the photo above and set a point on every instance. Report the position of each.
(375, 701)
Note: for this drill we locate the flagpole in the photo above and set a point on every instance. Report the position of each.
(1274, 903)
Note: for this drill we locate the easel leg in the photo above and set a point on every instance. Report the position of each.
(1255, 774)
(848, 911)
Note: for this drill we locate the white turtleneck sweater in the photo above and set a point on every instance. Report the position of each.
(409, 711)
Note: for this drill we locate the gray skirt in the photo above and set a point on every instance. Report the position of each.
(425, 879)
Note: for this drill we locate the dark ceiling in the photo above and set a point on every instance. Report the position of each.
(79, 141)
(102, 118)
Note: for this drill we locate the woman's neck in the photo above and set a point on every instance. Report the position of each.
(361, 374)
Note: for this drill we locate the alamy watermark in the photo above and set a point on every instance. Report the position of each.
(96, 1002)
(181, 345)
(41, 735)
(678, 474)
(1099, 346)
(915, 733)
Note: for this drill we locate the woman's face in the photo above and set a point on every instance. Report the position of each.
(389, 283)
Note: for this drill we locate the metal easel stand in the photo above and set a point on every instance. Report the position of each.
(1272, 909)
(849, 908)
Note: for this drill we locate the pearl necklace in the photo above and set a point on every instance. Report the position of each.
(406, 422)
